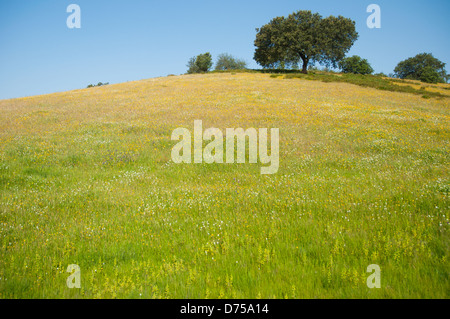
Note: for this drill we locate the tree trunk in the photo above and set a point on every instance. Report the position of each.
(305, 66)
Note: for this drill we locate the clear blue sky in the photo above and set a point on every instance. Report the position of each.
(130, 40)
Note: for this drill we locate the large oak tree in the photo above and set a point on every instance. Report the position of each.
(304, 36)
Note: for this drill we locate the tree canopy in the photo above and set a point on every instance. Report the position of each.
(304, 36)
(423, 67)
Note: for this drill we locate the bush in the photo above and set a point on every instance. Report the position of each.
(356, 65)
(227, 62)
(200, 64)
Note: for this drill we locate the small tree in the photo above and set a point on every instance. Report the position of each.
(356, 65)
(200, 64)
(227, 62)
(423, 67)
(192, 67)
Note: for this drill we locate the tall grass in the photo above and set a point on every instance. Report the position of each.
(86, 178)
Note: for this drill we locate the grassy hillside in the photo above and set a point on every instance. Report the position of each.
(86, 178)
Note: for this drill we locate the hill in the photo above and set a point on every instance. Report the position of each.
(86, 178)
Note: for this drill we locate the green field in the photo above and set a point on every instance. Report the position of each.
(86, 178)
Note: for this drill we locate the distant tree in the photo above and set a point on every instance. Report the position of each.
(423, 67)
(355, 64)
(227, 62)
(204, 62)
(200, 64)
(99, 84)
(192, 67)
(313, 68)
(304, 36)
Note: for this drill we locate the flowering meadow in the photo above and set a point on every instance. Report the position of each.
(86, 178)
